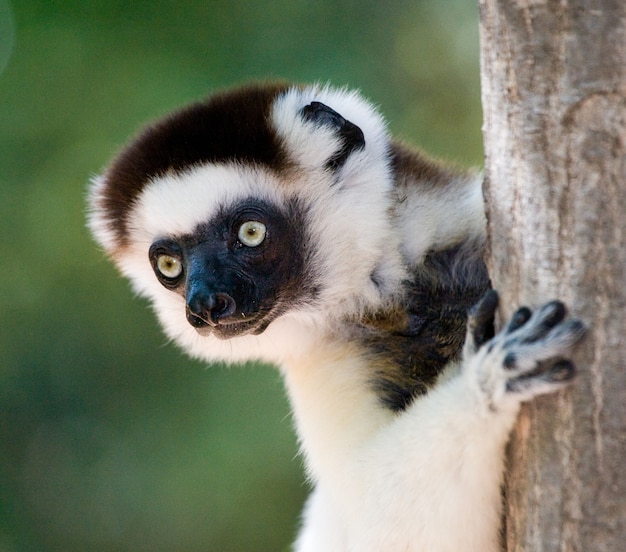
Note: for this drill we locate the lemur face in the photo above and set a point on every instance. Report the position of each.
(256, 203)
(238, 271)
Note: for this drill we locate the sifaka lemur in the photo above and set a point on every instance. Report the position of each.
(283, 223)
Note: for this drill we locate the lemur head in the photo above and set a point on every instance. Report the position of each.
(259, 204)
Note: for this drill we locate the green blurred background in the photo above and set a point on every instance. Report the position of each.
(111, 439)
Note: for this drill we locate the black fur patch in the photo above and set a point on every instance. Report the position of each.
(232, 126)
(413, 344)
(263, 281)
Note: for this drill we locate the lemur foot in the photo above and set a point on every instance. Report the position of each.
(528, 357)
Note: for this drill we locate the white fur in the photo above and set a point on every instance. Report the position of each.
(424, 480)
(97, 220)
(427, 480)
(439, 216)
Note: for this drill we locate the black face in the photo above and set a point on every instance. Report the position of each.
(237, 272)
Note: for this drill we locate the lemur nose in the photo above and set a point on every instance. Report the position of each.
(208, 309)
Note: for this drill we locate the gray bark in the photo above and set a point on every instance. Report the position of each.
(554, 99)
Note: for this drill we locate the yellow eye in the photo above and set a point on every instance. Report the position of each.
(251, 233)
(169, 266)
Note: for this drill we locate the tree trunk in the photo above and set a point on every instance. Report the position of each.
(554, 98)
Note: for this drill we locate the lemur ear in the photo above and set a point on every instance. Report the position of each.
(351, 135)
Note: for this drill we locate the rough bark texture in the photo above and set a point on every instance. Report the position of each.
(554, 99)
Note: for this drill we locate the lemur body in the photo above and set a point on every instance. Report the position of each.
(282, 223)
